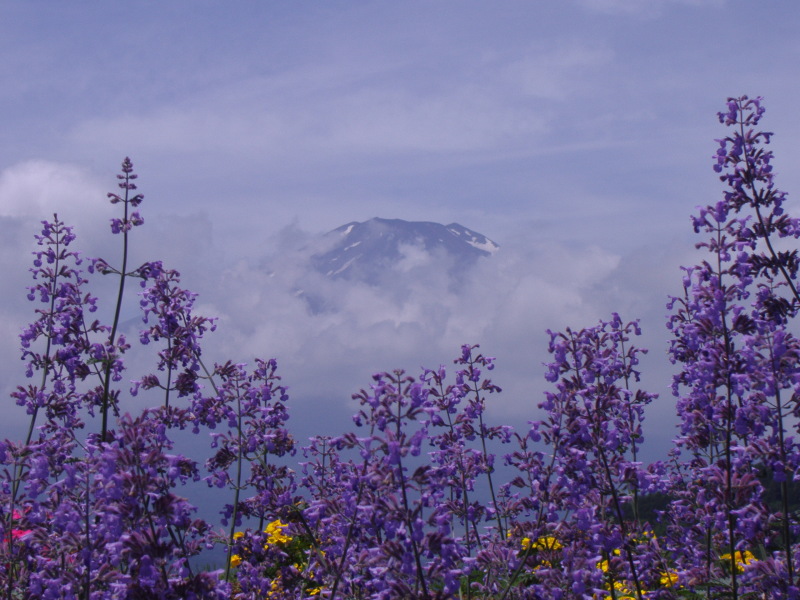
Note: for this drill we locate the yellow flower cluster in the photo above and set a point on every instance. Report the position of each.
(275, 532)
(603, 564)
(669, 579)
(742, 559)
(543, 543)
(625, 591)
(275, 535)
(622, 590)
(313, 591)
(236, 560)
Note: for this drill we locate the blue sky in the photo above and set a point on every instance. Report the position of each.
(577, 134)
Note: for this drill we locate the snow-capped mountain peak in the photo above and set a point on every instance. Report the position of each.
(364, 251)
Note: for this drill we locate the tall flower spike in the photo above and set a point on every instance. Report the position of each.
(130, 219)
(56, 345)
(107, 399)
(745, 166)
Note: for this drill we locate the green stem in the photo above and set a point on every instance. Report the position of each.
(106, 400)
(238, 487)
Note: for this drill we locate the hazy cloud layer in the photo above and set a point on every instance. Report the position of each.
(419, 315)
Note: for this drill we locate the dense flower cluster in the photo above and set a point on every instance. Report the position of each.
(425, 498)
(738, 381)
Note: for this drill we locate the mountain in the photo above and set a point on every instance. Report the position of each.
(368, 251)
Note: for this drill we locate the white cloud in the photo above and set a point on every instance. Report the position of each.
(39, 188)
(419, 316)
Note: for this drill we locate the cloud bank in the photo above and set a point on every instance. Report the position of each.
(327, 349)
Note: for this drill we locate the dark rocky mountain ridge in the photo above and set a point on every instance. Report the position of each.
(364, 251)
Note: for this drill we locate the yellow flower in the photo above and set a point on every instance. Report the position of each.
(275, 532)
(547, 543)
(603, 564)
(236, 560)
(275, 588)
(623, 592)
(545, 564)
(669, 579)
(741, 559)
(543, 543)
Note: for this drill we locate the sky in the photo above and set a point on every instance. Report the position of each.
(576, 134)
